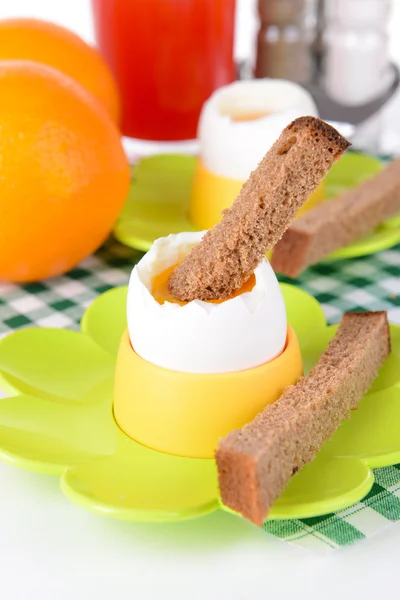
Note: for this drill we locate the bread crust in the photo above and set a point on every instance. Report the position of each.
(257, 462)
(261, 213)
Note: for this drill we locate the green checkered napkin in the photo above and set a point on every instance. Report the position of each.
(380, 507)
(368, 283)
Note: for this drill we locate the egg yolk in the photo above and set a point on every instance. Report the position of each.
(248, 117)
(239, 115)
(160, 290)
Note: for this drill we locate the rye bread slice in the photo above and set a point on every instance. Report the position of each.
(338, 223)
(255, 464)
(290, 171)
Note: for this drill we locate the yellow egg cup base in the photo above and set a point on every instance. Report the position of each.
(212, 194)
(186, 414)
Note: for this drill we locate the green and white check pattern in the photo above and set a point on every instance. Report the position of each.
(380, 507)
(62, 301)
(368, 283)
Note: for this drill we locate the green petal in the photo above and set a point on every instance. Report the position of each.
(158, 200)
(105, 319)
(326, 485)
(350, 171)
(315, 345)
(304, 313)
(52, 362)
(139, 484)
(389, 373)
(373, 432)
(47, 436)
(393, 221)
(382, 238)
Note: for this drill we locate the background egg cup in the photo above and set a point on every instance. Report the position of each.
(162, 199)
(211, 194)
(59, 420)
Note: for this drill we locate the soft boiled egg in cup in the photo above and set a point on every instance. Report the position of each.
(208, 344)
(238, 122)
(188, 373)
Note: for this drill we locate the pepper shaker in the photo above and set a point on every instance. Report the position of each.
(285, 39)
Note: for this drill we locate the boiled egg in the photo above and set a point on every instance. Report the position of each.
(239, 333)
(238, 124)
(242, 120)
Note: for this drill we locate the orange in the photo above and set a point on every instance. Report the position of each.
(63, 172)
(57, 47)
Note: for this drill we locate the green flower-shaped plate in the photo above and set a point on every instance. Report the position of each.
(158, 202)
(59, 421)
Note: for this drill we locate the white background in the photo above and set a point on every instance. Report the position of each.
(52, 550)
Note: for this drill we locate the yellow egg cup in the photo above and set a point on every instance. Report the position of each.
(186, 414)
(212, 194)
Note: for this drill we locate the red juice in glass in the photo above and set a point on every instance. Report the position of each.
(168, 56)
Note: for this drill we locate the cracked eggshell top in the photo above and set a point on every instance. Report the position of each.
(241, 121)
(201, 337)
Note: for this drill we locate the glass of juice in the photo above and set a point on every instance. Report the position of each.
(167, 56)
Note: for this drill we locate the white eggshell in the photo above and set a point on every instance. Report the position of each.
(232, 148)
(202, 337)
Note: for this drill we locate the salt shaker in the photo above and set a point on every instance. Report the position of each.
(357, 67)
(285, 39)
